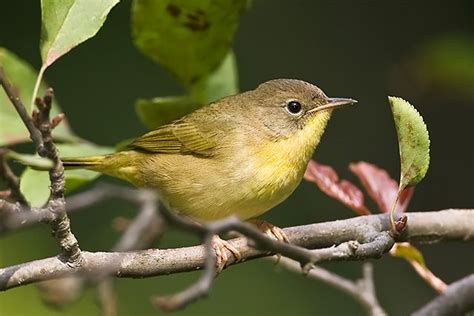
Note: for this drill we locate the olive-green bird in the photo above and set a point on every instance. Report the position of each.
(240, 155)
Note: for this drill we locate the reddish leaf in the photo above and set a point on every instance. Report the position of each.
(380, 186)
(327, 181)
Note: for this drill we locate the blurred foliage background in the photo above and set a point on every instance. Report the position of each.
(422, 51)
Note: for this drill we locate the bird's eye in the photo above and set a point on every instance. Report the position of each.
(294, 107)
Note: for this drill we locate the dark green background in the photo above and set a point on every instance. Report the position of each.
(348, 48)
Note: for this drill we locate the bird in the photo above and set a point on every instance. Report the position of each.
(238, 156)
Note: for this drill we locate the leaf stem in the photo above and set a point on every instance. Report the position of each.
(392, 211)
(37, 85)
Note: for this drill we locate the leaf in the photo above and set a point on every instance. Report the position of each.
(413, 140)
(411, 254)
(33, 161)
(67, 23)
(35, 184)
(189, 38)
(22, 76)
(221, 83)
(162, 110)
(381, 188)
(343, 191)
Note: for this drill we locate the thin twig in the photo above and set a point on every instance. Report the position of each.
(60, 223)
(12, 181)
(107, 298)
(35, 134)
(144, 229)
(457, 299)
(362, 290)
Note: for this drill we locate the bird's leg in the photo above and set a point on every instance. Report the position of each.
(270, 230)
(221, 247)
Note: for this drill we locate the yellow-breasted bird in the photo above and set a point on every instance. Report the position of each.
(240, 155)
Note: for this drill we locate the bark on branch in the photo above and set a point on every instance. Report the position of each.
(457, 299)
(446, 225)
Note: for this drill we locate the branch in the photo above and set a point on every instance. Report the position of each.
(139, 234)
(423, 226)
(12, 181)
(362, 290)
(40, 127)
(35, 134)
(457, 299)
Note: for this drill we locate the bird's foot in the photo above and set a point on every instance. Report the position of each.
(270, 230)
(221, 247)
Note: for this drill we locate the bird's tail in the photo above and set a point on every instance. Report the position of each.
(91, 162)
(121, 165)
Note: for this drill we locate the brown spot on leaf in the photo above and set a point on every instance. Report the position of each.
(197, 21)
(173, 10)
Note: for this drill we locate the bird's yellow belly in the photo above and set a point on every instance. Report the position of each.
(208, 193)
(246, 181)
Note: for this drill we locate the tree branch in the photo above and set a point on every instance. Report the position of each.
(362, 290)
(12, 181)
(423, 226)
(139, 234)
(40, 127)
(35, 134)
(457, 299)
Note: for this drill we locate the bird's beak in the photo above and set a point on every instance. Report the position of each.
(334, 103)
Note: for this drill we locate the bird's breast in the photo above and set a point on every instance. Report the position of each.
(277, 167)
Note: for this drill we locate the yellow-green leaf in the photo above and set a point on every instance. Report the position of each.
(67, 23)
(190, 38)
(220, 83)
(413, 141)
(162, 110)
(22, 76)
(34, 185)
(414, 257)
(408, 252)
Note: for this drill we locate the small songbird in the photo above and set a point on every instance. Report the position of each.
(240, 155)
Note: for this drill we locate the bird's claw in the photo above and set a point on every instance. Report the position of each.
(221, 247)
(271, 230)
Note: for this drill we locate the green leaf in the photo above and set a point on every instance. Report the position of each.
(413, 140)
(221, 83)
(35, 184)
(22, 76)
(158, 111)
(33, 161)
(190, 38)
(67, 23)
(162, 110)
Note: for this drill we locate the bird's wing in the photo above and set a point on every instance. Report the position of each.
(178, 137)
